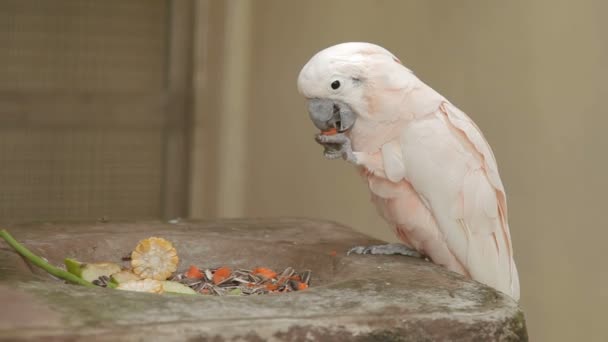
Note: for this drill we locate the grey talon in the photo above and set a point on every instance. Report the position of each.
(388, 249)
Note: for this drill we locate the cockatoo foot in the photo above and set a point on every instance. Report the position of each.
(388, 249)
(337, 146)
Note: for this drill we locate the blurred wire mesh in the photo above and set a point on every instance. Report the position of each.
(84, 89)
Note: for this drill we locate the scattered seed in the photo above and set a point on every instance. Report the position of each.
(306, 277)
(223, 281)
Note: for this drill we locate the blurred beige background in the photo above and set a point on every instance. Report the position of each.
(226, 133)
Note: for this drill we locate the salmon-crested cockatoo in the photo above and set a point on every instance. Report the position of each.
(430, 171)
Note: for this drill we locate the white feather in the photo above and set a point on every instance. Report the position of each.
(393, 161)
(454, 169)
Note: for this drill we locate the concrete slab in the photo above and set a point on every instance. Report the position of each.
(354, 298)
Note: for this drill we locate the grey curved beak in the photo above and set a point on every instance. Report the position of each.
(327, 114)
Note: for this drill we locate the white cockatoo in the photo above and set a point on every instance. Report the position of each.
(430, 171)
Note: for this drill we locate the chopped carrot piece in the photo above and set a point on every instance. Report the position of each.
(221, 274)
(194, 273)
(331, 131)
(272, 287)
(302, 286)
(265, 272)
(333, 253)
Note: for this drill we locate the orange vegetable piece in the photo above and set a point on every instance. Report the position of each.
(265, 272)
(331, 131)
(221, 274)
(194, 273)
(333, 253)
(272, 287)
(302, 286)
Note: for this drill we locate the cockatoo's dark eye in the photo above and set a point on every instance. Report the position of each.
(335, 85)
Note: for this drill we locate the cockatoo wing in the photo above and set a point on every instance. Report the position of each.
(451, 166)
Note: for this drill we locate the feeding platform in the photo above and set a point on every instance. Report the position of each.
(350, 298)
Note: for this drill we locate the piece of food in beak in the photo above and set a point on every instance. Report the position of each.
(331, 131)
(154, 258)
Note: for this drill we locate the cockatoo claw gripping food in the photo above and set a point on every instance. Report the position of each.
(336, 146)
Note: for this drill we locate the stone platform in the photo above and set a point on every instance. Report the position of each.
(354, 298)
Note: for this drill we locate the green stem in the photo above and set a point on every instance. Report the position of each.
(38, 261)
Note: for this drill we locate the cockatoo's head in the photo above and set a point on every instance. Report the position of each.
(348, 81)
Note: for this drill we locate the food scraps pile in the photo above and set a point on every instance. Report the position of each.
(152, 268)
(224, 281)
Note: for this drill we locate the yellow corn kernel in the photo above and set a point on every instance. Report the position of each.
(154, 258)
